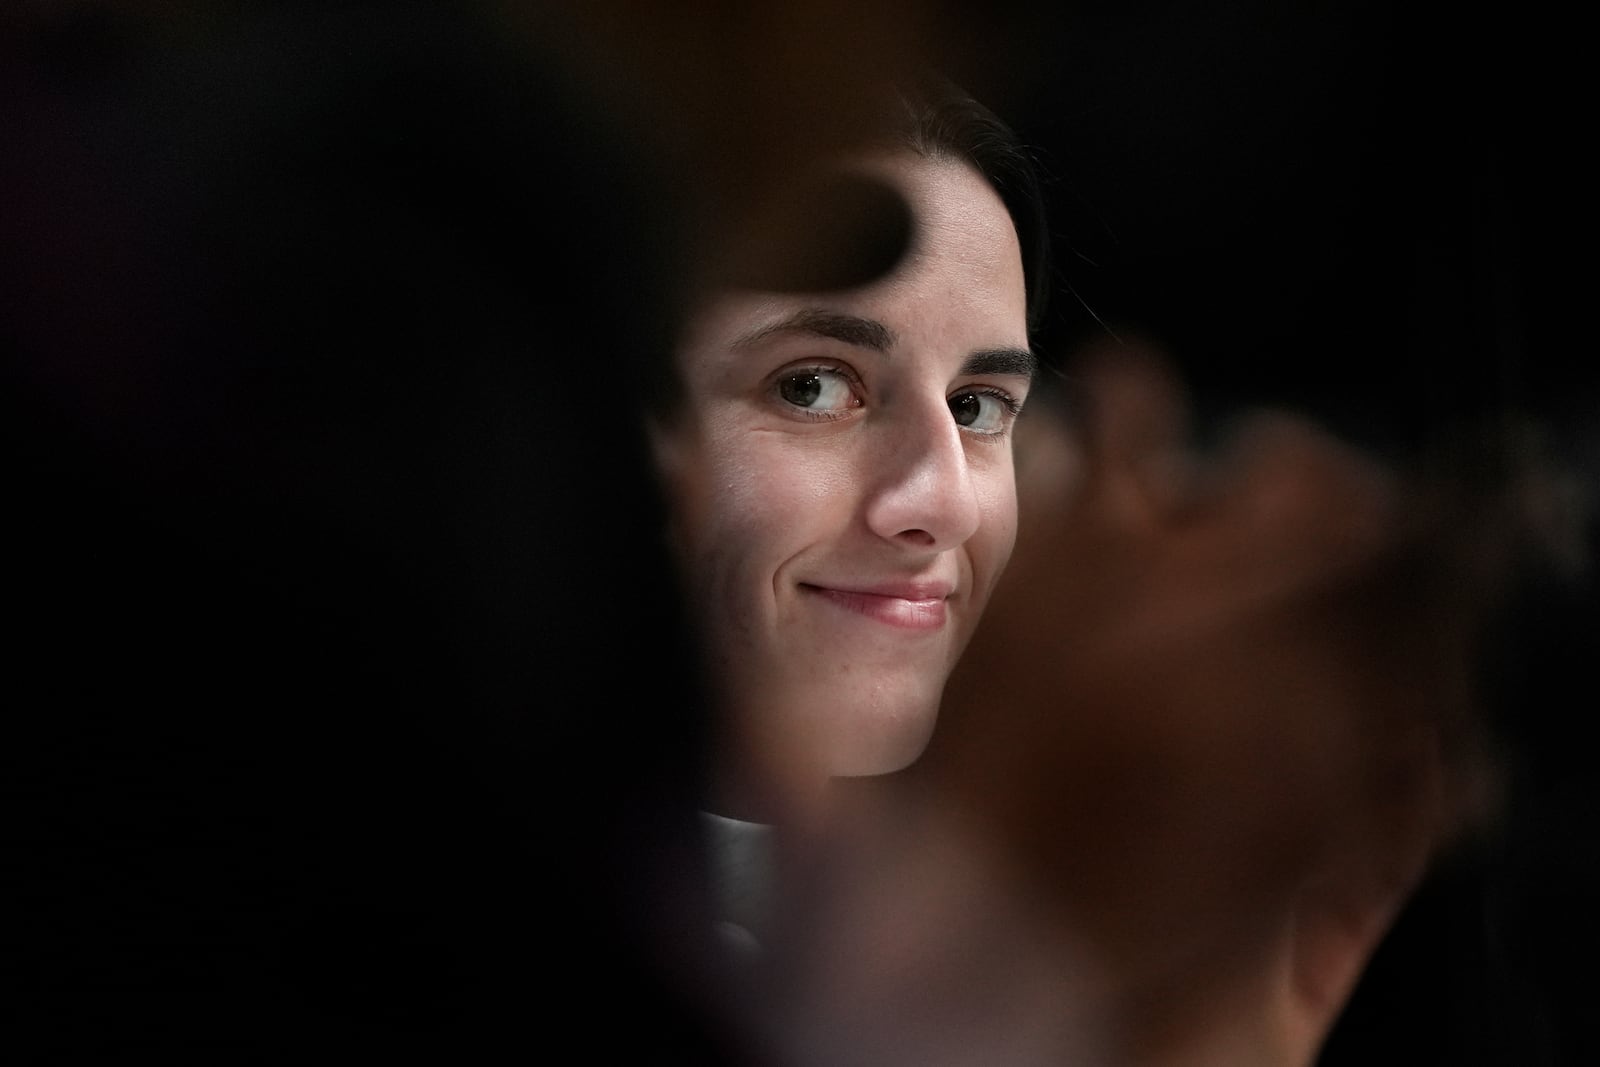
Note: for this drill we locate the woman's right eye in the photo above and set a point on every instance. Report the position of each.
(818, 389)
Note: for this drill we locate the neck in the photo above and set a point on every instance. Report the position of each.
(766, 784)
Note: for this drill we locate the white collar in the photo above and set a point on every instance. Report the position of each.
(741, 876)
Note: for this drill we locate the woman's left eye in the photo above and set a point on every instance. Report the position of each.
(982, 410)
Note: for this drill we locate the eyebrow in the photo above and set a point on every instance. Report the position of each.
(851, 329)
(1019, 361)
(870, 333)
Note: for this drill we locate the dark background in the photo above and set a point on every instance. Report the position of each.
(340, 719)
(348, 716)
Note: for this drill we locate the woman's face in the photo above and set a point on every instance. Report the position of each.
(842, 486)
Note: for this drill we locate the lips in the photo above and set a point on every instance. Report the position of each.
(906, 607)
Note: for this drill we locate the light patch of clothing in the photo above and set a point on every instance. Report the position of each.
(741, 878)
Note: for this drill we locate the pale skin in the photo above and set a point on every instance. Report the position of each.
(844, 496)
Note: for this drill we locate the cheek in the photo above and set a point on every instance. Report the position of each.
(990, 547)
(756, 501)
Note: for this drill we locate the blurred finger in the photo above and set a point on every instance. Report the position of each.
(1133, 430)
(816, 234)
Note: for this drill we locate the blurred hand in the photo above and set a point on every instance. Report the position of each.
(1214, 727)
(1219, 715)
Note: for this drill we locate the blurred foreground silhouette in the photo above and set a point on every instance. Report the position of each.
(1223, 718)
(317, 747)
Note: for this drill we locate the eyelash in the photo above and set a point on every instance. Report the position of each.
(1012, 405)
(850, 376)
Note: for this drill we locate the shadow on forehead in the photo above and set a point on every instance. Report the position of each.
(818, 234)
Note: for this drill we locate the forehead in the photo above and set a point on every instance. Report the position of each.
(956, 213)
(960, 281)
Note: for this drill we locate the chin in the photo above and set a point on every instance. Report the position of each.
(881, 744)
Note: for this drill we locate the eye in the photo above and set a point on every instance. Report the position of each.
(984, 410)
(818, 389)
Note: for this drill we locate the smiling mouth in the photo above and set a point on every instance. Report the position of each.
(906, 613)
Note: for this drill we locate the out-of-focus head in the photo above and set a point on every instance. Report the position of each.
(839, 459)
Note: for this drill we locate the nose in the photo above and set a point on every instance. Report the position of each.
(923, 494)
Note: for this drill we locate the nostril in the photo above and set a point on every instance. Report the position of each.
(917, 537)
